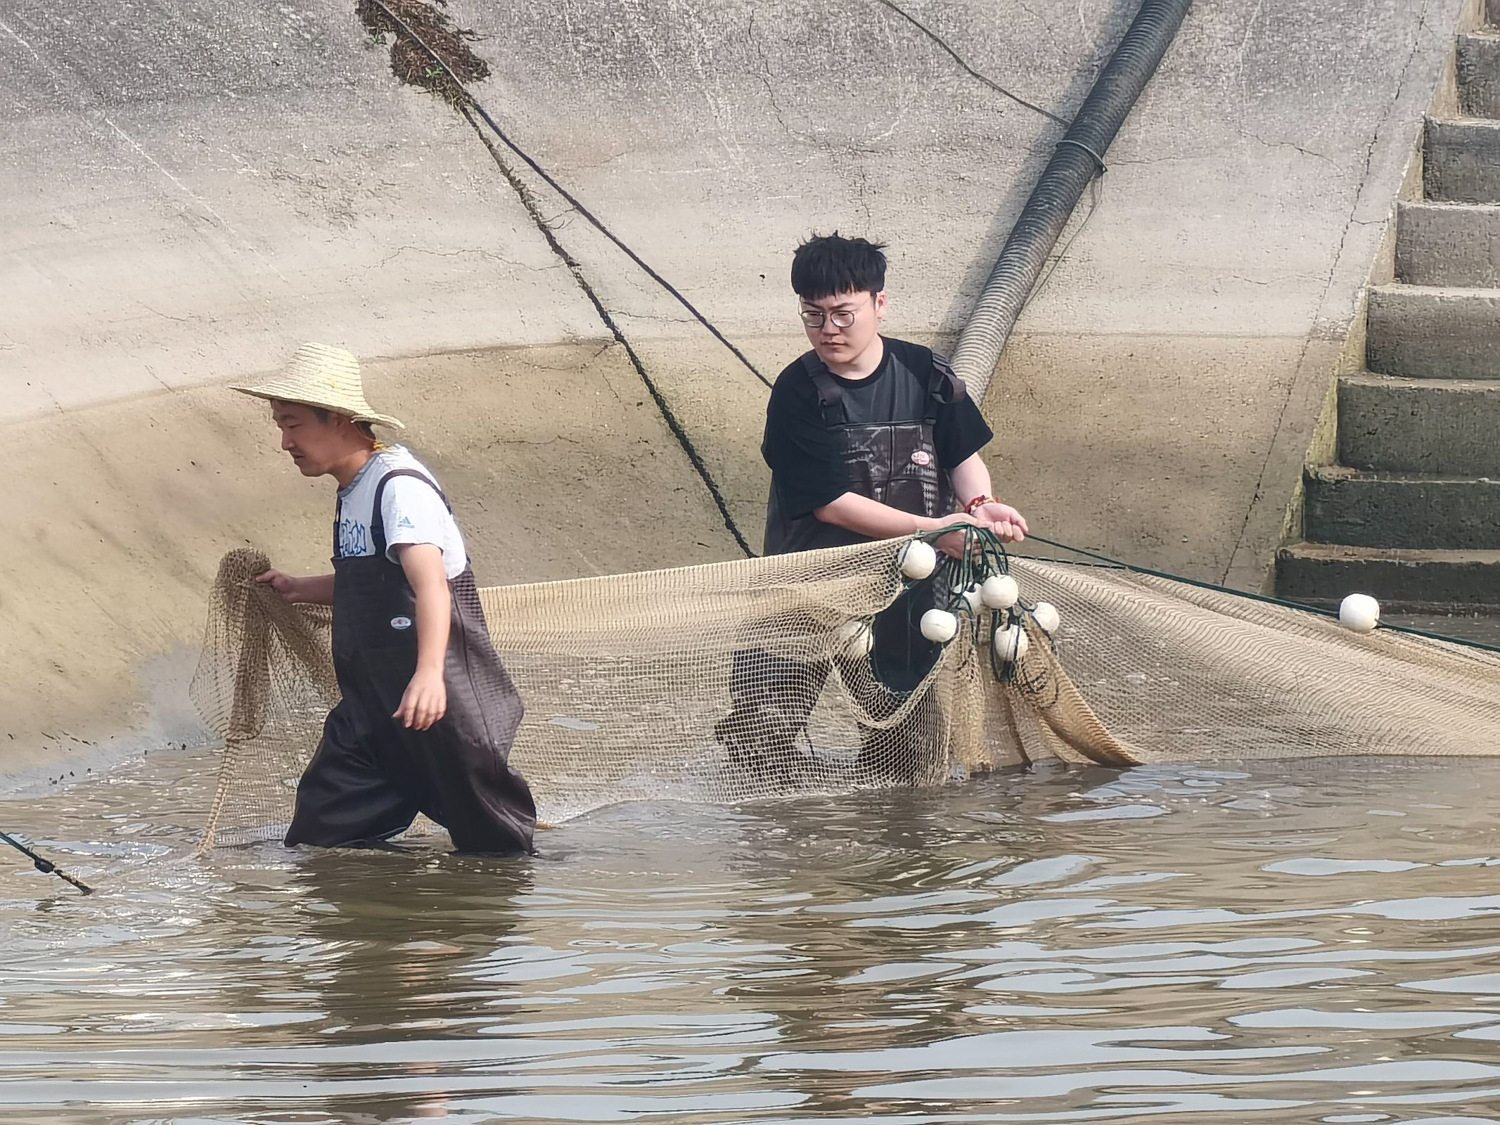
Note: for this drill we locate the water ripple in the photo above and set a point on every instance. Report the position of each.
(1217, 946)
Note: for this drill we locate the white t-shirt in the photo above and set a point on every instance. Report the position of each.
(413, 511)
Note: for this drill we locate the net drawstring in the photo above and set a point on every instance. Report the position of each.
(986, 555)
(1267, 599)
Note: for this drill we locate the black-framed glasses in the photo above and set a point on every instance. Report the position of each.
(840, 318)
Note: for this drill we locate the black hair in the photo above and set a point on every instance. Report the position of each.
(827, 265)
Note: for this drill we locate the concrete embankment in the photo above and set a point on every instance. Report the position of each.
(193, 190)
(1401, 504)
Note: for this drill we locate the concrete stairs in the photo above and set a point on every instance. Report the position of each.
(1411, 511)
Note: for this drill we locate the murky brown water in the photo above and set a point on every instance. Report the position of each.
(1286, 943)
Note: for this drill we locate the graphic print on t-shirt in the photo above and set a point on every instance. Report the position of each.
(805, 453)
(353, 539)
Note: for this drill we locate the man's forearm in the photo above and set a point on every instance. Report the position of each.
(864, 516)
(316, 589)
(970, 479)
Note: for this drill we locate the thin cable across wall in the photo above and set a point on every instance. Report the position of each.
(470, 106)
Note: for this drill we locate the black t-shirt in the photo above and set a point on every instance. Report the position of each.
(806, 457)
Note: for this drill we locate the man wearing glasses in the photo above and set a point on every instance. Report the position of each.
(867, 438)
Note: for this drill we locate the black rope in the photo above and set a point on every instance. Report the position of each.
(1268, 599)
(576, 269)
(571, 199)
(46, 866)
(956, 57)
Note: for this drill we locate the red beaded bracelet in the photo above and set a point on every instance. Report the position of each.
(978, 502)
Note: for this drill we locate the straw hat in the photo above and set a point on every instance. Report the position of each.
(322, 376)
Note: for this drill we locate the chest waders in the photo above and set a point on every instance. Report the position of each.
(894, 461)
(371, 775)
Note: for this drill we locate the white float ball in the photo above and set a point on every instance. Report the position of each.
(918, 559)
(1047, 617)
(975, 597)
(939, 626)
(1000, 591)
(1359, 613)
(1011, 643)
(854, 639)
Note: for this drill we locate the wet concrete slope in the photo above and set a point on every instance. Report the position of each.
(193, 187)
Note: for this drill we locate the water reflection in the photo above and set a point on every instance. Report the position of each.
(1265, 944)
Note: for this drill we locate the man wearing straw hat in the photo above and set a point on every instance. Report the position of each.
(428, 712)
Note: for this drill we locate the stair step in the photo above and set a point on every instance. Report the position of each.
(1478, 68)
(1434, 332)
(1453, 244)
(1399, 580)
(1461, 161)
(1445, 426)
(1404, 510)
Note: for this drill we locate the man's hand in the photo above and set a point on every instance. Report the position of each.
(952, 544)
(317, 590)
(284, 584)
(1006, 522)
(425, 700)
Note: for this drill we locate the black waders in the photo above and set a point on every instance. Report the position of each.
(894, 462)
(371, 775)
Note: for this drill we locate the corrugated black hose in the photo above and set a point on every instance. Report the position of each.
(1079, 156)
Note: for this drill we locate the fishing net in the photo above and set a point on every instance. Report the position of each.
(799, 673)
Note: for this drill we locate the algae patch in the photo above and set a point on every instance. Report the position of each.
(410, 61)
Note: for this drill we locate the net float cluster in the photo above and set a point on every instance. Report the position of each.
(917, 560)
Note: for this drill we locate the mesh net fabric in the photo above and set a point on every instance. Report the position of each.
(747, 679)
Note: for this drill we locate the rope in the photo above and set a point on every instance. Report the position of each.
(576, 269)
(46, 866)
(663, 408)
(956, 57)
(572, 200)
(1268, 599)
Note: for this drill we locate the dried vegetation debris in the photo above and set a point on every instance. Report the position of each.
(410, 61)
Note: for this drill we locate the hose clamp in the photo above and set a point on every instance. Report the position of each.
(1099, 160)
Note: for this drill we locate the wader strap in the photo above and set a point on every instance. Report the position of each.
(830, 394)
(377, 518)
(944, 389)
